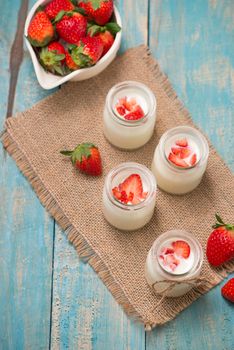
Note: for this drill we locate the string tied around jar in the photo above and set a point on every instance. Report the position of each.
(195, 282)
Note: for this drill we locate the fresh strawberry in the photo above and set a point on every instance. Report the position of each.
(182, 143)
(228, 290)
(71, 26)
(220, 244)
(40, 30)
(182, 152)
(52, 57)
(86, 158)
(55, 6)
(69, 62)
(131, 190)
(105, 33)
(193, 159)
(181, 248)
(177, 161)
(88, 51)
(99, 11)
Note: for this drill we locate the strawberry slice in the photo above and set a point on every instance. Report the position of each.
(182, 142)
(130, 191)
(120, 109)
(181, 249)
(137, 113)
(177, 161)
(171, 261)
(182, 152)
(193, 159)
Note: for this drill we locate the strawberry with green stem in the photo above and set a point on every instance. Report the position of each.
(71, 26)
(52, 57)
(55, 6)
(100, 11)
(40, 30)
(88, 51)
(220, 244)
(105, 33)
(86, 157)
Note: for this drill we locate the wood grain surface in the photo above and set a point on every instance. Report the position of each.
(48, 297)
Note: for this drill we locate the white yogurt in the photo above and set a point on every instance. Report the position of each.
(129, 134)
(127, 216)
(176, 179)
(187, 269)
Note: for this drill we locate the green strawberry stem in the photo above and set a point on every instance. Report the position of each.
(81, 150)
(220, 223)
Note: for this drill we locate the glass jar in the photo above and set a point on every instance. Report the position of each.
(124, 133)
(173, 282)
(176, 179)
(129, 216)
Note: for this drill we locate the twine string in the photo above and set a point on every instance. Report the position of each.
(195, 282)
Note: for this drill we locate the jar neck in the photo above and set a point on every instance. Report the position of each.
(200, 140)
(194, 244)
(128, 169)
(124, 87)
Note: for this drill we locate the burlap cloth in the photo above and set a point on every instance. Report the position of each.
(74, 114)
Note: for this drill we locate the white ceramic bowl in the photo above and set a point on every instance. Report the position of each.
(50, 81)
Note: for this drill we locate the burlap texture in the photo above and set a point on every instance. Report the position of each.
(74, 114)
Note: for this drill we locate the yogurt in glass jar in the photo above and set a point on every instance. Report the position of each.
(129, 115)
(129, 196)
(175, 257)
(180, 160)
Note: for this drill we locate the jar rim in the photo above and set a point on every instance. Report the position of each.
(197, 134)
(126, 84)
(136, 168)
(183, 235)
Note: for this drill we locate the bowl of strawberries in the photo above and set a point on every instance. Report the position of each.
(71, 40)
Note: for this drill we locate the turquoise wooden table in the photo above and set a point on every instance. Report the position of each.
(48, 297)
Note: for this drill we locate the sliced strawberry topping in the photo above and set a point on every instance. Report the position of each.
(169, 251)
(181, 248)
(171, 261)
(193, 159)
(182, 152)
(177, 161)
(120, 109)
(131, 190)
(129, 108)
(182, 142)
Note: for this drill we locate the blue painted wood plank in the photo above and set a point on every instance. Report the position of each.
(85, 315)
(193, 42)
(26, 241)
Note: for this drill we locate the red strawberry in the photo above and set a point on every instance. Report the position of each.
(98, 10)
(131, 190)
(181, 248)
(88, 51)
(107, 40)
(170, 261)
(220, 244)
(182, 143)
(228, 290)
(55, 6)
(177, 161)
(71, 26)
(40, 30)
(86, 158)
(182, 152)
(69, 62)
(193, 159)
(52, 57)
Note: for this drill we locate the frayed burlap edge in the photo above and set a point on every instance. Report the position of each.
(82, 246)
